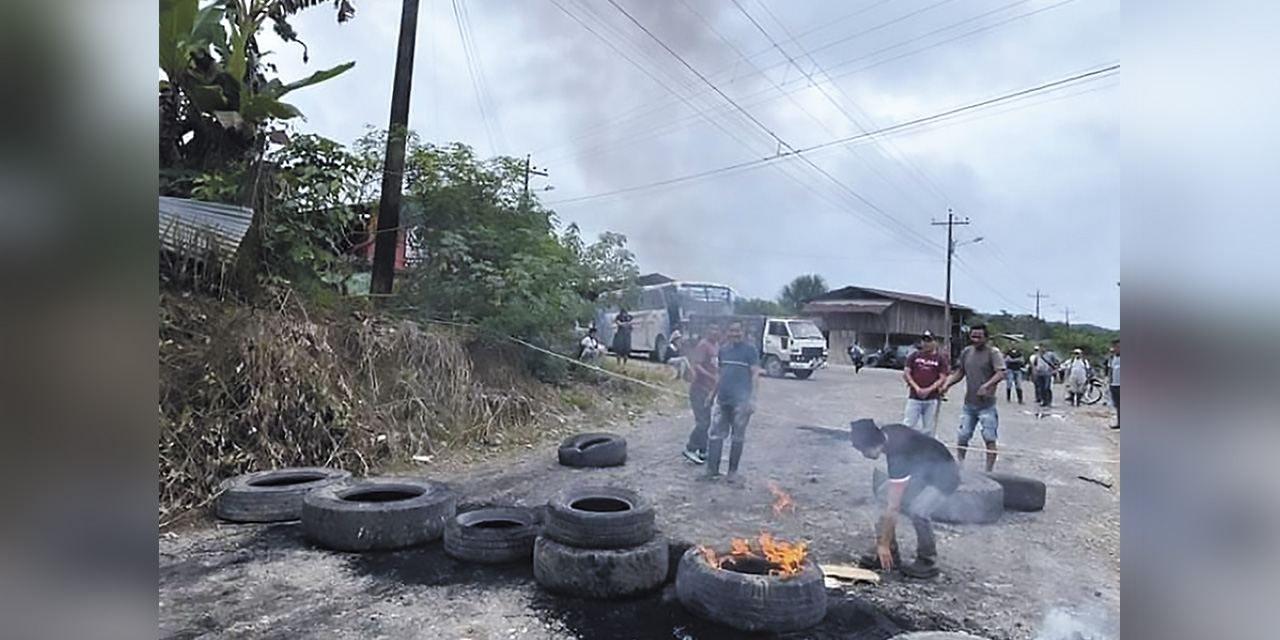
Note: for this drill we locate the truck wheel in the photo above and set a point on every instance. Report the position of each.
(773, 367)
(803, 374)
(659, 353)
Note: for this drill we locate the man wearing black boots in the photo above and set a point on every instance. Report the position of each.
(922, 474)
(735, 401)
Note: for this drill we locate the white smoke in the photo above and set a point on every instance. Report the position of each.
(1061, 624)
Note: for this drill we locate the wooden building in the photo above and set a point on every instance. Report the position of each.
(876, 318)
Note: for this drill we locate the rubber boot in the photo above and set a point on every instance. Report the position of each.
(714, 449)
(1019, 395)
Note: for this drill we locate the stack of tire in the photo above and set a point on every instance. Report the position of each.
(600, 543)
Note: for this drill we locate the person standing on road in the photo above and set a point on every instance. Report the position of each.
(706, 375)
(1077, 376)
(622, 336)
(1045, 365)
(1113, 376)
(982, 368)
(922, 474)
(925, 371)
(1013, 363)
(735, 401)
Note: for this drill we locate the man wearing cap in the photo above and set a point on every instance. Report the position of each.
(922, 474)
(982, 368)
(1043, 365)
(924, 372)
(1077, 370)
(1113, 374)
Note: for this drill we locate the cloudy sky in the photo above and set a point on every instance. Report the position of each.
(643, 111)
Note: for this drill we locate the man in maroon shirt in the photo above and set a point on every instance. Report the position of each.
(925, 371)
(706, 375)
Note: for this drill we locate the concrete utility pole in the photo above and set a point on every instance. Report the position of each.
(530, 169)
(951, 249)
(1037, 295)
(1067, 312)
(384, 245)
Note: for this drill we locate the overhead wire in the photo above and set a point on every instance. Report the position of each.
(479, 83)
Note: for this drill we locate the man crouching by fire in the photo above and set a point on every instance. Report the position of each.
(922, 474)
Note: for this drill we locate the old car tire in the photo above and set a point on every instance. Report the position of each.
(935, 635)
(803, 374)
(377, 513)
(271, 496)
(599, 574)
(773, 367)
(752, 602)
(492, 535)
(978, 499)
(1020, 493)
(599, 518)
(593, 450)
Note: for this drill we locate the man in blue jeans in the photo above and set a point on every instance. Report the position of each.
(982, 368)
(735, 401)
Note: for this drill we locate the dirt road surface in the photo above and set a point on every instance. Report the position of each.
(1050, 575)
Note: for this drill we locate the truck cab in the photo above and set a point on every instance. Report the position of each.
(793, 345)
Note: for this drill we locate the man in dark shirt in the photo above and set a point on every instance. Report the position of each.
(922, 474)
(735, 395)
(706, 373)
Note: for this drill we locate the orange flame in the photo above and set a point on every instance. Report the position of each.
(781, 501)
(788, 557)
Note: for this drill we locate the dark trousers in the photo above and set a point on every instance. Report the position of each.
(1115, 400)
(701, 419)
(1044, 389)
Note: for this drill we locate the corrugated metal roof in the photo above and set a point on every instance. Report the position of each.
(202, 228)
(847, 306)
(895, 295)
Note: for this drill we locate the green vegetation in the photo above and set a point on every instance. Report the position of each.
(1095, 342)
(800, 291)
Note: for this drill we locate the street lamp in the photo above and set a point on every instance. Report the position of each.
(946, 316)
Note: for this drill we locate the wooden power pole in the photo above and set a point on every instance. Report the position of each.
(384, 246)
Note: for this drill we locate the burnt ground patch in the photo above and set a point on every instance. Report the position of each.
(430, 566)
(662, 616)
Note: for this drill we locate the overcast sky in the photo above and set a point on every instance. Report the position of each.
(591, 90)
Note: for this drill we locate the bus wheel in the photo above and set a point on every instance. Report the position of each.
(659, 353)
(773, 367)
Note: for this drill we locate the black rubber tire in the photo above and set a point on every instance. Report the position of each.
(593, 450)
(773, 367)
(872, 362)
(599, 518)
(600, 574)
(271, 496)
(978, 499)
(1020, 493)
(660, 351)
(471, 536)
(935, 635)
(802, 374)
(377, 513)
(752, 602)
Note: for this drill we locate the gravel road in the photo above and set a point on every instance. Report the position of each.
(1051, 575)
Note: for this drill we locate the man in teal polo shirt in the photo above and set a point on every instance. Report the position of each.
(735, 397)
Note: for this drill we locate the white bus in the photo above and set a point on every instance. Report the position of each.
(661, 308)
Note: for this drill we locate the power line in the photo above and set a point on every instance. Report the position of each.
(889, 129)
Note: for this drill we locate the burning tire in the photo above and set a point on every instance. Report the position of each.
(1020, 493)
(271, 496)
(978, 499)
(593, 450)
(749, 601)
(599, 518)
(492, 535)
(599, 574)
(377, 513)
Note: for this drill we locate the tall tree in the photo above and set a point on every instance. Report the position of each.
(800, 291)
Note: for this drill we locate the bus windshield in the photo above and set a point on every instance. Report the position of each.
(804, 329)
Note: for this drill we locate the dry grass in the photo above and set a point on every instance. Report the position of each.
(244, 389)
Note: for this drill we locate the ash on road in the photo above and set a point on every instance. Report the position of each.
(1051, 575)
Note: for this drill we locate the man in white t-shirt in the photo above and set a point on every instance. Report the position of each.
(590, 348)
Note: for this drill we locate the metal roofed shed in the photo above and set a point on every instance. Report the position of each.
(878, 318)
(195, 236)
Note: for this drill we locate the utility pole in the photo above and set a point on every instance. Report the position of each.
(951, 222)
(528, 170)
(1067, 312)
(1037, 295)
(384, 246)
